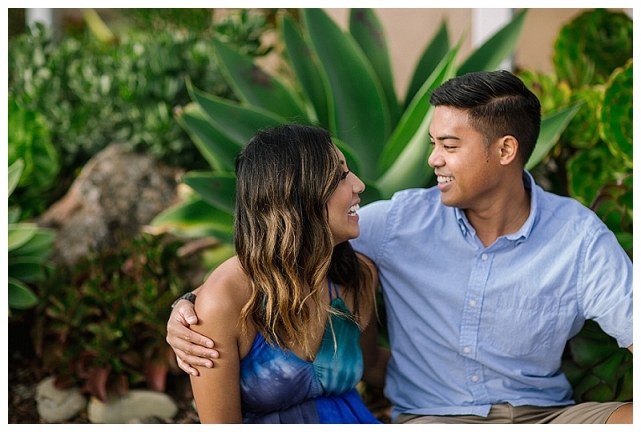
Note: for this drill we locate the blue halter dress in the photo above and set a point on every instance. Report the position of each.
(277, 386)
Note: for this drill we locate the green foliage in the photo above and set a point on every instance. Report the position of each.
(335, 75)
(81, 94)
(28, 247)
(590, 45)
(592, 163)
(598, 368)
(101, 325)
(30, 142)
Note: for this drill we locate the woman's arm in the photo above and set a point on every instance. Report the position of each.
(218, 305)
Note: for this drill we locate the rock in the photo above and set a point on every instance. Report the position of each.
(58, 405)
(133, 408)
(116, 194)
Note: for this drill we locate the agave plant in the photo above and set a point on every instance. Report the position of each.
(343, 82)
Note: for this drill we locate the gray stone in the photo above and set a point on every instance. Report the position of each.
(132, 408)
(116, 193)
(58, 405)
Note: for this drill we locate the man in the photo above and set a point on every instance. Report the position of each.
(485, 276)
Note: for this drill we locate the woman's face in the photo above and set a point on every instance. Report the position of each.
(343, 204)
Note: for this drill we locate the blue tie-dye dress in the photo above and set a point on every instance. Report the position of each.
(279, 387)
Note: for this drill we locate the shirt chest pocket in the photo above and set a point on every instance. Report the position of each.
(524, 325)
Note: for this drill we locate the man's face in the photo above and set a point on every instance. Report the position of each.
(467, 172)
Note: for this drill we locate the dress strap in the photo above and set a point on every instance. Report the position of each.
(333, 290)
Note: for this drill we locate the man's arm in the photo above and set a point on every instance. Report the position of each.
(191, 348)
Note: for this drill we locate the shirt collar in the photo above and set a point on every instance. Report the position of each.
(523, 233)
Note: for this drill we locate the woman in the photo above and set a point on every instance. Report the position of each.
(287, 310)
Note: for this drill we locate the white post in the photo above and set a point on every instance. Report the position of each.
(44, 16)
(486, 22)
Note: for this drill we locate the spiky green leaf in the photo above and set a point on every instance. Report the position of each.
(369, 34)
(256, 87)
(239, 122)
(196, 218)
(305, 65)
(217, 148)
(219, 190)
(497, 48)
(358, 111)
(551, 127)
(435, 51)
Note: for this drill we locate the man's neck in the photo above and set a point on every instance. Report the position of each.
(506, 215)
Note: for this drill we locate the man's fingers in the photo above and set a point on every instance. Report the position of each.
(185, 367)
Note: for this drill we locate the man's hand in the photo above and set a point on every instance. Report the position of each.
(191, 348)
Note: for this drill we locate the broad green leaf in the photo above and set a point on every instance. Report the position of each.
(502, 44)
(239, 122)
(410, 169)
(435, 51)
(360, 116)
(219, 190)
(196, 219)
(368, 32)
(414, 115)
(13, 215)
(217, 148)
(20, 295)
(255, 87)
(552, 125)
(26, 269)
(20, 234)
(39, 246)
(307, 70)
(15, 171)
(213, 257)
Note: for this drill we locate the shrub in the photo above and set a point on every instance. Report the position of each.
(102, 324)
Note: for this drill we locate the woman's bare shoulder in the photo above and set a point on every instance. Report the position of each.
(226, 290)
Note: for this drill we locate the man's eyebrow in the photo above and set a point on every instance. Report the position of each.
(446, 137)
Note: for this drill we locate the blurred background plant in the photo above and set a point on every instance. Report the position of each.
(29, 247)
(101, 326)
(100, 85)
(592, 162)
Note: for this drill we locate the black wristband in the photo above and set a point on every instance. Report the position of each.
(191, 297)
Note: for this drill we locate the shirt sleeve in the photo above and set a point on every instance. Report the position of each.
(606, 285)
(373, 225)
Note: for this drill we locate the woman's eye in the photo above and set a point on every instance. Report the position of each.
(344, 175)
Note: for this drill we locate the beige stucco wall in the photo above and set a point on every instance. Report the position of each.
(408, 31)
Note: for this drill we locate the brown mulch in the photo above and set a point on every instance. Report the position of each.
(25, 372)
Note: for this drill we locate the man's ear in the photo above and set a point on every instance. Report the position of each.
(509, 148)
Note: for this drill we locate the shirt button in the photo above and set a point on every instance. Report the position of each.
(467, 350)
(473, 303)
(484, 257)
(475, 378)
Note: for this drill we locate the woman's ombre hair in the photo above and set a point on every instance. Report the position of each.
(285, 177)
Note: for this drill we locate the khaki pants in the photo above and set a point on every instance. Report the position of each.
(584, 413)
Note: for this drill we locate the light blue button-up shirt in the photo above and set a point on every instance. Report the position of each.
(472, 326)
